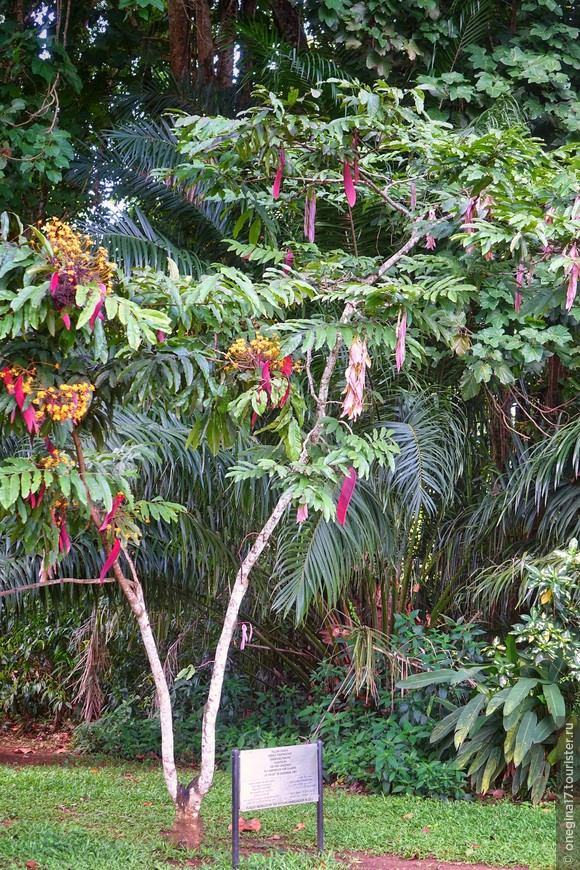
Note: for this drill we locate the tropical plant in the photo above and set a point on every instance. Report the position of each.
(258, 351)
(513, 723)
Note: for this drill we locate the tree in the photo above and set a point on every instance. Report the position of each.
(65, 367)
(426, 256)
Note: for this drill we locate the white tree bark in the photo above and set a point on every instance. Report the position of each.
(187, 799)
(239, 589)
(137, 602)
(200, 786)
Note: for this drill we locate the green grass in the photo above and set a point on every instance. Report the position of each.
(112, 819)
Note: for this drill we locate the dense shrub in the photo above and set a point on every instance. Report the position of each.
(381, 743)
(35, 663)
(512, 726)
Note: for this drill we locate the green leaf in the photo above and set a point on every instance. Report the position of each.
(293, 441)
(468, 717)
(544, 728)
(518, 693)
(497, 700)
(492, 768)
(445, 726)
(536, 764)
(33, 294)
(525, 736)
(539, 786)
(428, 678)
(555, 702)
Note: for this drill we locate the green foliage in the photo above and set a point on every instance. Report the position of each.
(551, 629)
(382, 745)
(480, 242)
(35, 664)
(471, 57)
(512, 724)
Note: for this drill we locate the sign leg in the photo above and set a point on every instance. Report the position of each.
(235, 807)
(319, 805)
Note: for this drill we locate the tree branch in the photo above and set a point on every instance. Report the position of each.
(384, 195)
(200, 785)
(408, 246)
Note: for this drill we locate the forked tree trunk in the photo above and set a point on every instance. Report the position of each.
(187, 829)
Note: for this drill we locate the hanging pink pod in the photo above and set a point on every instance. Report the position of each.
(345, 496)
(279, 174)
(349, 187)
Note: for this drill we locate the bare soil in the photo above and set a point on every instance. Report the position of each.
(21, 744)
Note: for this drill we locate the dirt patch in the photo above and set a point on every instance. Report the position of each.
(391, 862)
(352, 859)
(22, 745)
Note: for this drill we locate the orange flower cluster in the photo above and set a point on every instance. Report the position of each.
(253, 354)
(72, 254)
(67, 402)
(55, 458)
(246, 356)
(26, 376)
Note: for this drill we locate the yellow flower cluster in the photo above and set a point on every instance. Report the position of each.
(72, 251)
(251, 355)
(11, 372)
(67, 402)
(55, 458)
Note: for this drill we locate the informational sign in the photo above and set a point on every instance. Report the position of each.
(276, 777)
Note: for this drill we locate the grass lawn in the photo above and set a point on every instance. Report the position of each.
(110, 817)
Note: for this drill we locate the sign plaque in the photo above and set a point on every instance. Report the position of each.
(275, 777)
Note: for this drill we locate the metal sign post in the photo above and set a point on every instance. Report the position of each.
(277, 777)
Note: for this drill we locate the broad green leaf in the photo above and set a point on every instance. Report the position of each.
(445, 726)
(544, 728)
(467, 718)
(539, 785)
(536, 764)
(518, 693)
(480, 759)
(497, 700)
(428, 678)
(525, 736)
(494, 764)
(555, 702)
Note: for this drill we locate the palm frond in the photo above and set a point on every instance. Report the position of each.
(431, 438)
(135, 243)
(469, 24)
(318, 560)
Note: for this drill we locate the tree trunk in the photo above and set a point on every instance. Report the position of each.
(226, 43)
(179, 38)
(204, 44)
(187, 829)
(239, 590)
(245, 66)
(133, 592)
(556, 374)
(289, 24)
